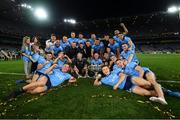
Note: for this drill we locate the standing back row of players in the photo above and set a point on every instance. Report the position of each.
(72, 46)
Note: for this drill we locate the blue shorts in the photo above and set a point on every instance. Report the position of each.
(39, 73)
(146, 72)
(48, 83)
(129, 85)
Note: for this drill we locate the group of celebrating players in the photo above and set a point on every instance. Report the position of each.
(110, 61)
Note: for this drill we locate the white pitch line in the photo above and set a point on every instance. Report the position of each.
(6, 73)
(163, 81)
(169, 81)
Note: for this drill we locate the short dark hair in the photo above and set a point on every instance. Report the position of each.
(53, 34)
(48, 53)
(60, 51)
(105, 66)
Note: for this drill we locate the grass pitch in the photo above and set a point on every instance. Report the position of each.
(86, 101)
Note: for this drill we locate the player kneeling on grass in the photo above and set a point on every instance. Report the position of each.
(133, 84)
(53, 78)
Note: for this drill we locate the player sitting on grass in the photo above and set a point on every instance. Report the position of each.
(51, 78)
(129, 83)
(80, 66)
(95, 64)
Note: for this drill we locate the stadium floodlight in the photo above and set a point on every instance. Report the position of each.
(24, 5)
(71, 21)
(65, 20)
(172, 9)
(40, 13)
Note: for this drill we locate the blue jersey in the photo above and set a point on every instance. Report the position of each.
(130, 69)
(56, 49)
(43, 61)
(35, 57)
(92, 41)
(116, 38)
(58, 77)
(71, 40)
(126, 54)
(61, 63)
(136, 73)
(114, 47)
(83, 41)
(96, 62)
(97, 48)
(117, 69)
(126, 40)
(27, 51)
(65, 44)
(112, 79)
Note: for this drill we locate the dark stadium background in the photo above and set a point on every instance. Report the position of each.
(148, 22)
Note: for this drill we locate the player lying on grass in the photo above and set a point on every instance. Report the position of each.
(129, 83)
(132, 68)
(51, 78)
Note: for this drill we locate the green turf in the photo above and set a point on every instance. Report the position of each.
(87, 101)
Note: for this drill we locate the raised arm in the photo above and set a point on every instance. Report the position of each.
(56, 60)
(130, 43)
(125, 29)
(69, 60)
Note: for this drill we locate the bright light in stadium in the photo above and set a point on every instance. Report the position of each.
(172, 9)
(71, 21)
(40, 13)
(24, 5)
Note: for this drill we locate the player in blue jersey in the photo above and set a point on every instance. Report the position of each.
(133, 84)
(96, 60)
(114, 47)
(73, 38)
(56, 48)
(134, 69)
(81, 39)
(97, 48)
(127, 40)
(128, 54)
(92, 39)
(64, 43)
(117, 32)
(95, 64)
(53, 78)
(62, 59)
(43, 65)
